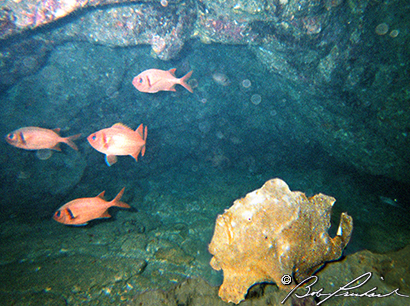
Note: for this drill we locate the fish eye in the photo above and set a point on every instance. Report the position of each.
(94, 137)
(140, 80)
(58, 213)
(10, 136)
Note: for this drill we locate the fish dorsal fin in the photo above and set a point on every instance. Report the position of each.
(140, 130)
(172, 71)
(57, 131)
(101, 195)
(121, 126)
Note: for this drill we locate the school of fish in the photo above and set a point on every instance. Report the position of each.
(117, 140)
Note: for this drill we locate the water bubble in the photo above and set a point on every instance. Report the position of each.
(30, 62)
(246, 83)
(273, 113)
(256, 99)
(194, 168)
(112, 91)
(235, 140)
(219, 135)
(382, 29)
(394, 33)
(44, 154)
(204, 127)
(221, 78)
(193, 83)
(22, 175)
(164, 3)
(51, 73)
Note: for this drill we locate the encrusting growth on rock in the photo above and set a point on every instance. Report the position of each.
(272, 232)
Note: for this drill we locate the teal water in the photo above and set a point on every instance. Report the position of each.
(215, 136)
(204, 150)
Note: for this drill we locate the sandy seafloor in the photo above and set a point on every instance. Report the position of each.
(163, 240)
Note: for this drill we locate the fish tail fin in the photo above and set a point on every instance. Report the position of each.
(117, 202)
(70, 141)
(145, 140)
(183, 81)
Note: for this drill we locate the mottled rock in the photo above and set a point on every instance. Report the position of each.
(135, 243)
(21, 59)
(174, 255)
(272, 232)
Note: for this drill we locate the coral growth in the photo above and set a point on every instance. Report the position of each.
(272, 232)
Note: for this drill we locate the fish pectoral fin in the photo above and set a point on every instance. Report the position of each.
(105, 215)
(110, 159)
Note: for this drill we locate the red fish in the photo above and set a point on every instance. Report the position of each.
(80, 211)
(154, 80)
(119, 140)
(35, 138)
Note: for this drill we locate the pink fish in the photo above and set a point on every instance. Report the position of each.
(119, 140)
(80, 211)
(154, 80)
(35, 138)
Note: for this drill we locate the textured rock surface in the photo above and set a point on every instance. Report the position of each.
(272, 232)
(104, 251)
(390, 271)
(346, 83)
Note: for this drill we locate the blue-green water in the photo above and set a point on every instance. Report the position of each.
(204, 150)
(215, 137)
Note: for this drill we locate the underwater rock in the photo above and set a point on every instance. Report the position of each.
(21, 59)
(272, 232)
(174, 255)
